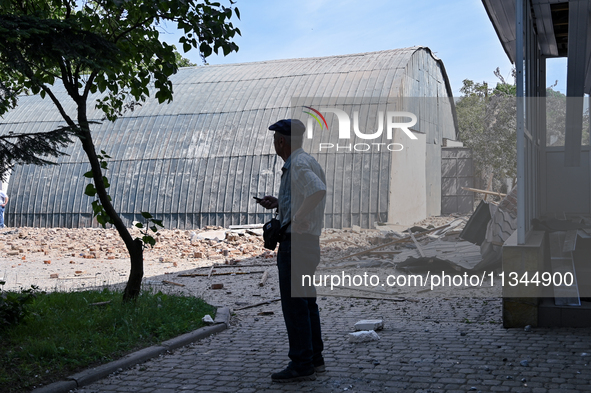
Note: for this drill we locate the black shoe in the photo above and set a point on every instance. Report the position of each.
(319, 366)
(292, 375)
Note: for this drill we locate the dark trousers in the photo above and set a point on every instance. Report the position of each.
(301, 315)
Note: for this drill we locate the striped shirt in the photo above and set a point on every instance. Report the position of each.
(302, 176)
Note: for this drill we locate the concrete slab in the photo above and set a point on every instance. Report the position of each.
(57, 387)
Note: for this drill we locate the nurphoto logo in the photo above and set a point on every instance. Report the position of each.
(392, 121)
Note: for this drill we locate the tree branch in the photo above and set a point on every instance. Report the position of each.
(132, 28)
(93, 75)
(60, 108)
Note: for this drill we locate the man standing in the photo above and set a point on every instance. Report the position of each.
(301, 203)
(3, 200)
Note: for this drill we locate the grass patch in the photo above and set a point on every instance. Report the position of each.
(62, 333)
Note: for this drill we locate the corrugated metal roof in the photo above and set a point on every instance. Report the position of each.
(199, 160)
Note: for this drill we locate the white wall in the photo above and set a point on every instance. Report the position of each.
(408, 194)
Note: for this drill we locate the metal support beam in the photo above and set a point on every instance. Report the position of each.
(578, 19)
(519, 80)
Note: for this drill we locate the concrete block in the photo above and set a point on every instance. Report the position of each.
(91, 375)
(57, 387)
(193, 336)
(363, 336)
(369, 324)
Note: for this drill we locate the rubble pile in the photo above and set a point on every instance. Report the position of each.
(105, 244)
(345, 246)
(196, 260)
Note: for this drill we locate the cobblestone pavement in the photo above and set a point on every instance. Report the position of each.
(427, 345)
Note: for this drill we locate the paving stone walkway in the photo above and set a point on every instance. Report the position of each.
(427, 345)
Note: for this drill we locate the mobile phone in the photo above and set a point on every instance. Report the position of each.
(257, 199)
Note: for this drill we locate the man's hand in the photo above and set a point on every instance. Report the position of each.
(268, 202)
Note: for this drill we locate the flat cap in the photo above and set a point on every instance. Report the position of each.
(289, 127)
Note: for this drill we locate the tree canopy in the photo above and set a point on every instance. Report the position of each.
(487, 123)
(108, 47)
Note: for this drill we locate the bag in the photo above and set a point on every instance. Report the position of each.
(272, 232)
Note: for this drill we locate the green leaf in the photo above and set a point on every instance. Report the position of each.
(139, 225)
(90, 190)
(101, 219)
(149, 240)
(88, 174)
(146, 215)
(97, 208)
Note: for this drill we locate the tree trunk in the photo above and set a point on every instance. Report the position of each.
(134, 282)
(134, 246)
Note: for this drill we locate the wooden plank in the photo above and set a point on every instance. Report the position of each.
(258, 304)
(249, 226)
(264, 278)
(384, 252)
(501, 195)
(417, 245)
(337, 239)
(208, 275)
(173, 283)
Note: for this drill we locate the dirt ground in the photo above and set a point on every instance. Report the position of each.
(194, 261)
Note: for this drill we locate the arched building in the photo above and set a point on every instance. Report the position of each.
(200, 159)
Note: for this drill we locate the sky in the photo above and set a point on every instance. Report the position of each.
(458, 32)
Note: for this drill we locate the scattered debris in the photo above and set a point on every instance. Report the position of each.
(172, 283)
(264, 278)
(486, 192)
(370, 324)
(208, 275)
(266, 313)
(100, 303)
(258, 304)
(363, 336)
(217, 286)
(207, 319)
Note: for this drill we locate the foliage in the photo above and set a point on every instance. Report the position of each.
(65, 332)
(487, 123)
(20, 148)
(152, 224)
(183, 61)
(13, 306)
(556, 119)
(107, 47)
(101, 215)
(98, 210)
(110, 46)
